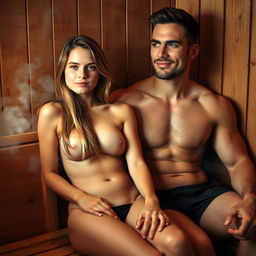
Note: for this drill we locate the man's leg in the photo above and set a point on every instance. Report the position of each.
(181, 237)
(213, 219)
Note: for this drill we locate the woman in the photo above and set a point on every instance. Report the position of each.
(94, 138)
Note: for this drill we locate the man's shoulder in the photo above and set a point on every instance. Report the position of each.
(131, 94)
(217, 105)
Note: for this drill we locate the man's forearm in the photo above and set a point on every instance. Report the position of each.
(243, 177)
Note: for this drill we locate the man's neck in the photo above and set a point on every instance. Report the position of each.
(172, 89)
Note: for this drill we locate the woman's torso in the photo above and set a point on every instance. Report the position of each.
(103, 174)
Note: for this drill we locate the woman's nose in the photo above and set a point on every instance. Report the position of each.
(83, 73)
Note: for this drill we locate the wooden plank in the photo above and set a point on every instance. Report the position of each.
(64, 24)
(236, 57)
(15, 84)
(50, 208)
(211, 44)
(138, 58)
(193, 8)
(251, 115)
(12, 140)
(40, 53)
(89, 17)
(57, 241)
(1, 99)
(159, 4)
(34, 240)
(113, 37)
(43, 247)
(61, 251)
(22, 211)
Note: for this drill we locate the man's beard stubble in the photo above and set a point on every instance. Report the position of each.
(168, 75)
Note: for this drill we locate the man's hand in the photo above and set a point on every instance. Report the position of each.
(241, 219)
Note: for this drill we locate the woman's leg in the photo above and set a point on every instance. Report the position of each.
(181, 237)
(101, 236)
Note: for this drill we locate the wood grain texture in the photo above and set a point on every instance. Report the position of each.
(22, 211)
(251, 110)
(14, 57)
(236, 56)
(89, 18)
(211, 44)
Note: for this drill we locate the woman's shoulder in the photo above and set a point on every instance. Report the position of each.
(50, 110)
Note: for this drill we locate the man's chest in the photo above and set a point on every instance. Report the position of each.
(185, 124)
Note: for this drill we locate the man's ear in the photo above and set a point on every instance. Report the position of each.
(194, 51)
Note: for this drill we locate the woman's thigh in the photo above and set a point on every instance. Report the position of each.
(93, 235)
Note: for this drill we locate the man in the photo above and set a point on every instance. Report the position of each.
(177, 117)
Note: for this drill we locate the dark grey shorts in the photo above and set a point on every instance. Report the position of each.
(191, 200)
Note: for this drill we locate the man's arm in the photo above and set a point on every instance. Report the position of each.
(232, 151)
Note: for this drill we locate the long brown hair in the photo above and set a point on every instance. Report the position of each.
(75, 114)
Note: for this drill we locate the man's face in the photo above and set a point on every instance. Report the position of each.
(169, 51)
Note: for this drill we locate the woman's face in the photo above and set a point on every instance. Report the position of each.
(81, 74)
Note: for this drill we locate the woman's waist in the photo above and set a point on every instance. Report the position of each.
(117, 189)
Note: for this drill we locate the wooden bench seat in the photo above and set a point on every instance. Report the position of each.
(55, 243)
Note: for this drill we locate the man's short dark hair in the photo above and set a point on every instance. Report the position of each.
(178, 16)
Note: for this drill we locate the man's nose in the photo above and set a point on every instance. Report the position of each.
(162, 52)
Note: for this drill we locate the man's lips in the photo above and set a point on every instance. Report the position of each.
(163, 64)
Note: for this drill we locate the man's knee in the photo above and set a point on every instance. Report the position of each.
(176, 242)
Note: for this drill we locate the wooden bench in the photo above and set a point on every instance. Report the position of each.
(55, 243)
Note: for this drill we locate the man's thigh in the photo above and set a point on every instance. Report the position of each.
(215, 214)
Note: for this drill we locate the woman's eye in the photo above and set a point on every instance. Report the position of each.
(73, 67)
(91, 68)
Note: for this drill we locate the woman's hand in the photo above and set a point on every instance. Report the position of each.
(151, 219)
(95, 205)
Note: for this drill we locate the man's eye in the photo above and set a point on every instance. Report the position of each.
(91, 68)
(173, 45)
(154, 44)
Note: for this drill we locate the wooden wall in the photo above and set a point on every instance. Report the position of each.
(32, 33)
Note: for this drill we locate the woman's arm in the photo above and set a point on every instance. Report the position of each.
(49, 123)
(151, 217)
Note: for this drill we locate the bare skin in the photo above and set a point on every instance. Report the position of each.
(176, 119)
(101, 180)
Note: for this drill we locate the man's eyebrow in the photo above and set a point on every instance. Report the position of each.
(166, 42)
(154, 41)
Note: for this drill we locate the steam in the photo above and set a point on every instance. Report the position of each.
(16, 114)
